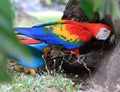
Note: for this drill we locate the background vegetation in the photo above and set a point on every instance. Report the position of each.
(9, 45)
(58, 1)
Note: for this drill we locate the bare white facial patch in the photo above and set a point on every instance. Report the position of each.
(103, 34)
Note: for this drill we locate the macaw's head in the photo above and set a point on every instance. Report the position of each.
(102, 31)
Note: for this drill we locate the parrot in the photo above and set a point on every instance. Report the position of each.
(38, 60)
(68, 34)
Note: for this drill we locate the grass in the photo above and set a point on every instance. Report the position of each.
(36, 83)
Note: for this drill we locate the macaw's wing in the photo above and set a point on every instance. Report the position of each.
(40, 46)
(37, 59)
(41, 32)
(69, 34)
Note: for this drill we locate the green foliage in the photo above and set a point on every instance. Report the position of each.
(71, 88)
(86, 6)
(103, 7)
(9, 45)
(78, 87)
(58, 1)
(60, 82)
(36, 83)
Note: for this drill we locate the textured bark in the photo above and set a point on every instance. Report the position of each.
(107, 76)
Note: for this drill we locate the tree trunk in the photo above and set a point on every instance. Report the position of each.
(107, 76)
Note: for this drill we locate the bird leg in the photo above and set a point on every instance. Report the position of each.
(46, 51)
(75, 51)
(83, 56)
(31, 70)
(24, 69)
(80, 57)
(16, 66)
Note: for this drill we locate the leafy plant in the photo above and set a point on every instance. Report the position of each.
(71, 88)
(103, 7)
(9, 45)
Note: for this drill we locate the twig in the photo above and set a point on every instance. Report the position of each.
(87, 69)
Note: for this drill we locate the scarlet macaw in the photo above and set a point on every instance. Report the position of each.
(69, 34)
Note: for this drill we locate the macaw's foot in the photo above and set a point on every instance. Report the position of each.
(24, 69)
(15, 65)
(82, 57)
(46, 51)
(18, 68)
(14, 62)
(21, 68)
(29, 70)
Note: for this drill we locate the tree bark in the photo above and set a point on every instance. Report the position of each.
(107, 76)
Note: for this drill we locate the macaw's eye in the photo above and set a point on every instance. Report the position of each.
(105, 30)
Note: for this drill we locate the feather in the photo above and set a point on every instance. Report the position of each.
(37, 59)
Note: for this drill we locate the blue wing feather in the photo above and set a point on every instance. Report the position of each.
(39, 46)
(37, 59)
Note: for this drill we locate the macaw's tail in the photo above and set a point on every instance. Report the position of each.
(24, 31)
(37, 59)
(27, 40)
(32, 42)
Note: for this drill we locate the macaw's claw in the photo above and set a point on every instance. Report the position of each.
(25, 70)
(46, 51)
(29, 70)
(83, 56)
(21, 68)
(18, 68)
(14, 62)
